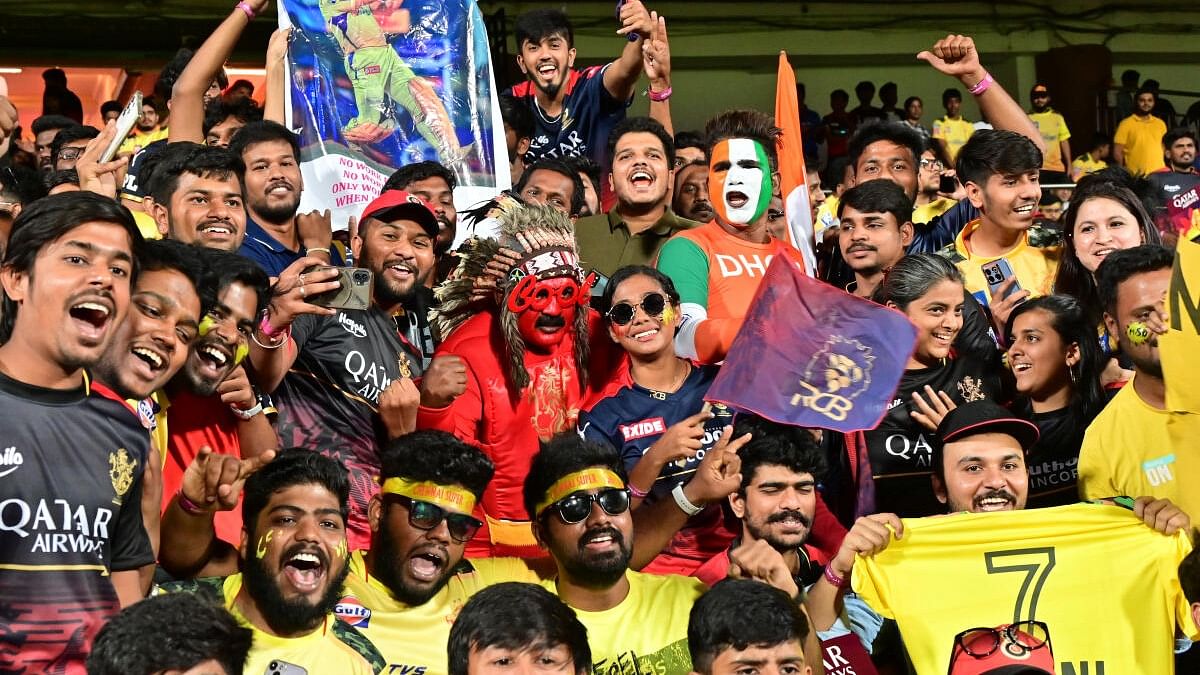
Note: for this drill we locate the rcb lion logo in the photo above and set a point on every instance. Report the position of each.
(120, 470)
(844, 366)
(971, 389)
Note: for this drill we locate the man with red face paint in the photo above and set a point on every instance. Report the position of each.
(717, 267)
(507, 379)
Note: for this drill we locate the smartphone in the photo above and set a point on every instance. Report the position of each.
(278, 667)
(996, 273)
(125, 124)
(353, 293)
(947, 184)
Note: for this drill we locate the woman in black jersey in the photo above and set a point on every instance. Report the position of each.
(928, 289)
(1056, 361)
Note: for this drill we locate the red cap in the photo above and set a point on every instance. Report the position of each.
(396, 204)
(1007, 657)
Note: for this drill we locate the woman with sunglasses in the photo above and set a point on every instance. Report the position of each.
(660, 423)
(1056, 361)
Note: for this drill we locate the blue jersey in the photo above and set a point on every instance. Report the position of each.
(589, 113)
(632, 419)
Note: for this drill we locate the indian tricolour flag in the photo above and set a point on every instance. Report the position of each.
(792, 173)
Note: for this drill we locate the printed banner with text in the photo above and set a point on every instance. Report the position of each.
(813, 355)
(378, 84)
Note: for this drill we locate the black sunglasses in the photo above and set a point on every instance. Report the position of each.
(575, 507)
(622, 312)
(981, 643)
(426, 516)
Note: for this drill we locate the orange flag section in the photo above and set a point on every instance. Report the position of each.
(793, 179)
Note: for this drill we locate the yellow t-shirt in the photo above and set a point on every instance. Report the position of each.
(138, 140)
(1127, 450)
(927, 212)
(413, 639)
(1084, 164)
(332, 648)
(1054, 131)
(647, 632)
(826, 216)
(1034, 267)
(1142, 139)
(955, 133)
(1104, 583)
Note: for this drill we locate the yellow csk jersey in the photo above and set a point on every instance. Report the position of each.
(1053, 129)
(826, 216)
(413, 639)
(1034, 266)
(354, 28)
(955, 133)
(1104, 583)
(1084, 165)
(647, 632)
(1127, 450)
(926, 212)
(138, 140)
(332, 648)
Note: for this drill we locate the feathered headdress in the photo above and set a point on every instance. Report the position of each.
(543, 241)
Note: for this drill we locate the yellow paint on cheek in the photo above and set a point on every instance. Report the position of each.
(668, 314)
(243, 350)
(341, 549)
(206, 325)
(261, 551)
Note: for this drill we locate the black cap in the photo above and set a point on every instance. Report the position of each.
(982, 417)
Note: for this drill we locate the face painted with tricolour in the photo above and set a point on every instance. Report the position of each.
(739, 181)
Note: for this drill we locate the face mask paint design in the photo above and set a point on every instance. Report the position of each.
(740, 189)
(261, 550)
(1138, 332)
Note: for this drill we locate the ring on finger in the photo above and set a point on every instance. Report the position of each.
(301, 279)
(302, 293)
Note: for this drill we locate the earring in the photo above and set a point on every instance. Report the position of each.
(1071, 372)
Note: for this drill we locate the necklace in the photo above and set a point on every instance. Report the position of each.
(662, 395)
(545, 118)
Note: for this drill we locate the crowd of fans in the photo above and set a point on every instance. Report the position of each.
(499, 457)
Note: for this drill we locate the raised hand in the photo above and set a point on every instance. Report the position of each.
(444, 381)
(956, 56)
(213, 481)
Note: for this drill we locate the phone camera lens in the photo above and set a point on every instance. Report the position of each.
(361, 278)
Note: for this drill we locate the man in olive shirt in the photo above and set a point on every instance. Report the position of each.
(642, 155)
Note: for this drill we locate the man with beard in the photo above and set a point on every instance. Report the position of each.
(146, 129)
(1137, 142)
(980, 469)
(1127, 449)
(343, 377)
(294, 562)
(1053, 128)
(691, 192)
(435, 184)
(75, 455)
(573, 110)
(641, 154)
(717, 267)
(194, 194)
(45, 129)
(275, 236)
(578, 499)
(1177, 178)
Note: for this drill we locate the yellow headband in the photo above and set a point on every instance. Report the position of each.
(588, 479)
(448, 497)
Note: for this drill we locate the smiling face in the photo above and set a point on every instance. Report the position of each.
(224, 335)
(206, 212)
(549, 314)
(413, 563)
(739, 182)
(547, 63)
(152, 344)
(890, 161)
(777, 506)
(641, 176)
(399, 254)
(296, 558)
(74, 296)
(1007, 201)
(937, 316)
(273, 181)
(872, 242)
(983, 472)
(1103, 225)
(593, 552)
(645, 336)
(1039, 358)
(691, 193)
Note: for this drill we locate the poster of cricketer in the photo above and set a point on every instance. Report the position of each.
(378, 84)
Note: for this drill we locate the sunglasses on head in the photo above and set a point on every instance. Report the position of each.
(575, 507)
(652, 304)
(981, 643)
(426, 516)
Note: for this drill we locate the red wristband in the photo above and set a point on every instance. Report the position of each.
(189, 507)
(246, 8)
(983, 85)
(659, 96)
(834, 579)
(636, 491)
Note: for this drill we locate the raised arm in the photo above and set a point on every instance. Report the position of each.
(956, 56)
(656, 60)
(273, 350)
(275, 105)
(187, 97)
(622, 74)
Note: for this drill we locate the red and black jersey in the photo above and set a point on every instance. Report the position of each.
(71, 464)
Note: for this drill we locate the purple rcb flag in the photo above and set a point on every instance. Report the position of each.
(813, 355)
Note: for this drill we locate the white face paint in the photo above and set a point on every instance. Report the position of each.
(745, 190)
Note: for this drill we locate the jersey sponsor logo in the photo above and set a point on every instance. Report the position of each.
(145, 411)
(1053, 473)
(650, 427)
(370, 378)
(351, 326)
(743, 266)
(120, 471)
(405, 669)
(10, 460)
(57, 526)
(351, 611)
(372, 70)
(1158, 470)
(918, 450)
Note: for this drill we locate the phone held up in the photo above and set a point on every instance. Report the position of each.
(353, 291)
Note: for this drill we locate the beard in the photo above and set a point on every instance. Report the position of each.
(385, 293)
(277, 213)
(550, 90)
(390, 571)
(597, 571)
(1150, 366)
(284, 616)
(759, 530)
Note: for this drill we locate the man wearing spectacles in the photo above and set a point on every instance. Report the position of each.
(577, 497)
(68, 146)
(1020, 648)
